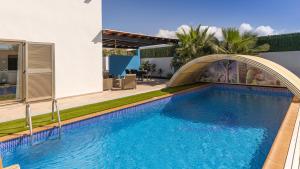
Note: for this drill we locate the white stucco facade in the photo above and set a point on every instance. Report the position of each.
(73, 26)
(163, 63)
(289, 60)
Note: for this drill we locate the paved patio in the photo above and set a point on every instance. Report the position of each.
(17, 111)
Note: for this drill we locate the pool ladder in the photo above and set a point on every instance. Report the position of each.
(29, 116)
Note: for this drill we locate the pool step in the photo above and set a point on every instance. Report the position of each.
(16, 166)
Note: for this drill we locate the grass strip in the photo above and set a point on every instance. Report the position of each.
(15, 126)
(7, 97)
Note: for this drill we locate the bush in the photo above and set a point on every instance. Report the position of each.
(284, 42)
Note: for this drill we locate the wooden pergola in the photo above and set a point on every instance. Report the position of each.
(126, 40)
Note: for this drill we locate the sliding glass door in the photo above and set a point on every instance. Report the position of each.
(11, 70)
(26, 71)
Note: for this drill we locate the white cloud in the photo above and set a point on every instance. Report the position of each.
(182, 28)
(217, 31)
(166, 33)
(264, 30)
(245, 27)
(260, 30)
(172, 34)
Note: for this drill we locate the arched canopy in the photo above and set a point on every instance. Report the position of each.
(189, 73)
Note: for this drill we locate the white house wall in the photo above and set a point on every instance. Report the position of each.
(163, 63)
(73, 25)
(289, 60)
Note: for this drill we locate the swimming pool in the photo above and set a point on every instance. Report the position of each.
(220, 126)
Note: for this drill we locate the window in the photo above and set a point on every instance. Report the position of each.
(12, 62)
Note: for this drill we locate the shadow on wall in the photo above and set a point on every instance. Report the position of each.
(87, 1)
(98, 37)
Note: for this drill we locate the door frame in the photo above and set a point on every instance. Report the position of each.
(20, 70)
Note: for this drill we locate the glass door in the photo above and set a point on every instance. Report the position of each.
(11, 69)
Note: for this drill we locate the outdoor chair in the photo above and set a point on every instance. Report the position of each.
(117, 82)
(107, 84)
(134, 71)
(107, 81)
(128, 82)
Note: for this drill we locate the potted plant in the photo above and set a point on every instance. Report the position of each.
(160, 72)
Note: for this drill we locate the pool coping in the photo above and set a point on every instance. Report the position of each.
(277, 154)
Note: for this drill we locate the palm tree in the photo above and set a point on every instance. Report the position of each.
(193, 43)
(235, 42)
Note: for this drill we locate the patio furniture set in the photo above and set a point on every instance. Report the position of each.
(129, 81)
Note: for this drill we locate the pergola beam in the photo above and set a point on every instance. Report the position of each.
(118, 39)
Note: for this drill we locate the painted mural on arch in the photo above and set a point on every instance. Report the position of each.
(228, 71)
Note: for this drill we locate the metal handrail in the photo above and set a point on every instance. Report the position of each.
(55, 105)
(29, 118)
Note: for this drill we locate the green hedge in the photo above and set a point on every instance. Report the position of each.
(278, 43)
(158, 52)
(284, 42)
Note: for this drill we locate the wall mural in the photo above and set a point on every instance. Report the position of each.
(228, 71)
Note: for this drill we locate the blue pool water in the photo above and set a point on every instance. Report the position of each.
(216, 127)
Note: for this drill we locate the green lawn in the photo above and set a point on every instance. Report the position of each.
(7, 97)
(15, 126)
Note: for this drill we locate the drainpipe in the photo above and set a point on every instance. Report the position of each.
(138, 54)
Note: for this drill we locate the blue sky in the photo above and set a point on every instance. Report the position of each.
(151, 16)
